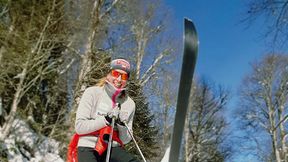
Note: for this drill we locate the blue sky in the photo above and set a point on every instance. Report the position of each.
(226, 46)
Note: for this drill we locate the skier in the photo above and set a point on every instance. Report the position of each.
(98, 105)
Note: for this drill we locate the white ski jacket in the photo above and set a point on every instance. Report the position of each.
(95, 103)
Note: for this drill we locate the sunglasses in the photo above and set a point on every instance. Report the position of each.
(116, 74)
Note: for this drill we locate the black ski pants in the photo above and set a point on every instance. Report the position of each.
(118, 154)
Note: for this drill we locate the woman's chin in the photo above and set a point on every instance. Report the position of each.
(117, 86)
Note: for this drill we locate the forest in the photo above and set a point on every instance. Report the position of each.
(51, 51)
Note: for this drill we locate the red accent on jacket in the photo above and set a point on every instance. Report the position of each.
(100, 146)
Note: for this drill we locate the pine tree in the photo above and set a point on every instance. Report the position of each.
(143, 130)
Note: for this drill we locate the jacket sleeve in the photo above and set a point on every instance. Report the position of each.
(123, 132)
(84, 123)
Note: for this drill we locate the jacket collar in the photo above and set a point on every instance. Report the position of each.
(117, 95)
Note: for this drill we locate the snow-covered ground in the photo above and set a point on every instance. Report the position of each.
(166, 155)
(24, 145)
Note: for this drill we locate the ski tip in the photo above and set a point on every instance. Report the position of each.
(189, 28)
(187, 19)
(190, 35)
(188, 23)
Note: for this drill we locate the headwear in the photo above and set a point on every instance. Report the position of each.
(121, 64)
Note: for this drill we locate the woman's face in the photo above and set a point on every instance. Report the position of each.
(118, 78)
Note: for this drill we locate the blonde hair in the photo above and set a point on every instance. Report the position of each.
(101, 82)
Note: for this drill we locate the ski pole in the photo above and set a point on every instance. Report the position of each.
(110, 140)
(138, 148)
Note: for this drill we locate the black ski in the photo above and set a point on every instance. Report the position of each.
(188, 66)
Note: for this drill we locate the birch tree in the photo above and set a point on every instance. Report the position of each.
(146, 32)
(145, 36)
(165, 90)
(263, 111)
(27, 49)
(206, 128)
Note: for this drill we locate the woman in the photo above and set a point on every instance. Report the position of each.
(97, 106)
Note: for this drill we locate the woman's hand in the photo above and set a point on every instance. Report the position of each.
(123, 116)
(114, 113)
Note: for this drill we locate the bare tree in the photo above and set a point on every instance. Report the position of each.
(275, 13)
(206, 127)
(165, 90)
(263, 110)
(145, 30)
(145, 36)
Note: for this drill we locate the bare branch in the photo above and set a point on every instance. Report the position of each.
(154, 64)
(66, 67)
(108, 10)
(281, 122)
(143, 82)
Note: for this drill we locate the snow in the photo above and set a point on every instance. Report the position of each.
(166, 155)
(24, 145)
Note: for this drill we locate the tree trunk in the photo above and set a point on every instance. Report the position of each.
(86, 61)
(274, 134)
(282, 132)
(20, 90)
(14, 106)
(141, 43)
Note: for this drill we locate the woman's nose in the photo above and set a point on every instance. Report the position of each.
(119, 78)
